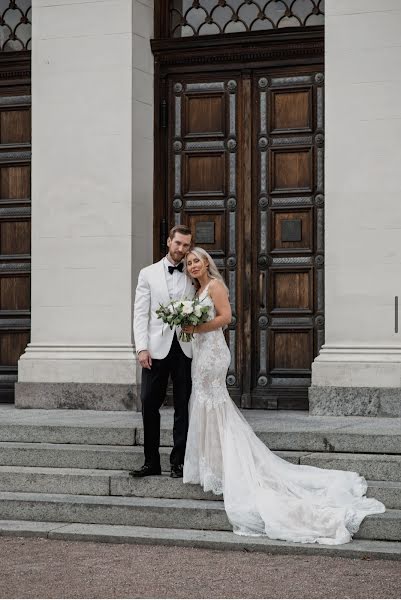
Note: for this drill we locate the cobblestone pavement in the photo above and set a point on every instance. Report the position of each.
(41, 568)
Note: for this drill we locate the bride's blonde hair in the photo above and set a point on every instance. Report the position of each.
(212, 270)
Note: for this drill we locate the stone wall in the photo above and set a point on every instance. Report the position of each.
(363, 218)
(92, 199)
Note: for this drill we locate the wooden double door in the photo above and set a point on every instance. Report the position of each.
(245, 171)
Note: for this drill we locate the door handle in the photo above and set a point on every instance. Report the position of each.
(262, 289)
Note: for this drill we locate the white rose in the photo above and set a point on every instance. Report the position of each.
(198, 311)
(187, 308)
(171, 309)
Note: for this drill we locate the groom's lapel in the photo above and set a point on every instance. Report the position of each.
(160, 281)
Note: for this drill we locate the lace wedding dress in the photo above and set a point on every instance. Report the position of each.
(263, 494)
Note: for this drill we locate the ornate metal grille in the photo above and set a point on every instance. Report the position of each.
(210, 17)
(15, 25)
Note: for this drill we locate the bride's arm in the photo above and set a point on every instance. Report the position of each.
(218, 294)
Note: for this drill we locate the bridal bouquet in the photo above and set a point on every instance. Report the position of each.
(183, 312)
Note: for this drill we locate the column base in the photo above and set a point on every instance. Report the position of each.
(354, 401)
(78, 377)
(356, 381)
(87, 396)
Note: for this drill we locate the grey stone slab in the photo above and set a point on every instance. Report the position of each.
(349, 441)
(385, 526)
(27, 528)
(92, 456)
(165, 487)
(275, 440)
(348, 438)
(68, 417)
(285, 430)
(77, 456)
(216, 540)
(260, 420)
(301, 432)
(67, 434)
(288, 432)
(56, 481)
(292, 456)
(162, 486)
(222, 540)
(388, 492)
(354, 401)
(118, 483)
(371, 466)
(144, 512)
(91, 396)
(68, 426)
(150, 512)
(317, 441)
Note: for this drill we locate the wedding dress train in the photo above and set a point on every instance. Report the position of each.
(263, 494)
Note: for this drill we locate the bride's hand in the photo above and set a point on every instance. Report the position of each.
(189, 329)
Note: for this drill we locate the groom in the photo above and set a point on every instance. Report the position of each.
(161, 354)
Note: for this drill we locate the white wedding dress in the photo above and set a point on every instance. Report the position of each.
(263, 494)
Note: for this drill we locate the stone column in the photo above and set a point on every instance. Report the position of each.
(92, 200)
(358, 371)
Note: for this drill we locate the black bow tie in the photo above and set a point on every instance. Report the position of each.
(179, 268)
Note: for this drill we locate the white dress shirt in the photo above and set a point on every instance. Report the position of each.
(176, 281)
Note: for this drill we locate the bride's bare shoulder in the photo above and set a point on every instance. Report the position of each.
(216, 287)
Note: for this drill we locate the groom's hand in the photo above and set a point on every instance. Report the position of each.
(145, 360)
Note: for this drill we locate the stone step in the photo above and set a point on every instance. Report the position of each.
(69, 427)
(162, 486)
(94, 482)
(214, 540)
(388, 492)
(372, 466)
(82, 456)
(385, 526)
(153, 512)
(315, 434)
(99, 482)
(144, 512)
(285, 430)
(382, 467)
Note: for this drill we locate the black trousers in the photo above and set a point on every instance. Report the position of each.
(153, 392)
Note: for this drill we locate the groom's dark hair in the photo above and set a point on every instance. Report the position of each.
(183, 229)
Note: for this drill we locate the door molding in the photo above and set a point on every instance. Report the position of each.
(275, 46)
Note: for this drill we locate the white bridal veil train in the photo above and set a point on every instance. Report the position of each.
(263, 494)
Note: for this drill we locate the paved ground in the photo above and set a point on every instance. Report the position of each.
(40, 568)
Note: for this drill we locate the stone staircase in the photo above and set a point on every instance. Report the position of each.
(64, 474)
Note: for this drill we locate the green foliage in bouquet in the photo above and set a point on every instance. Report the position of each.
(183, 312)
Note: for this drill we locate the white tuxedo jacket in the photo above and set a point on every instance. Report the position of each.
(150, 333)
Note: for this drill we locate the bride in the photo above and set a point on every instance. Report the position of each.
(263, 494)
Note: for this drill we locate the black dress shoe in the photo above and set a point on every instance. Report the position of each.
(145, 471)
(176, 471)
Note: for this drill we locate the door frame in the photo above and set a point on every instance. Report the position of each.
(247, 53)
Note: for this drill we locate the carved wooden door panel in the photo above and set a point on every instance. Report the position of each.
(245, 172)
(288, 308)
(203, 180)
